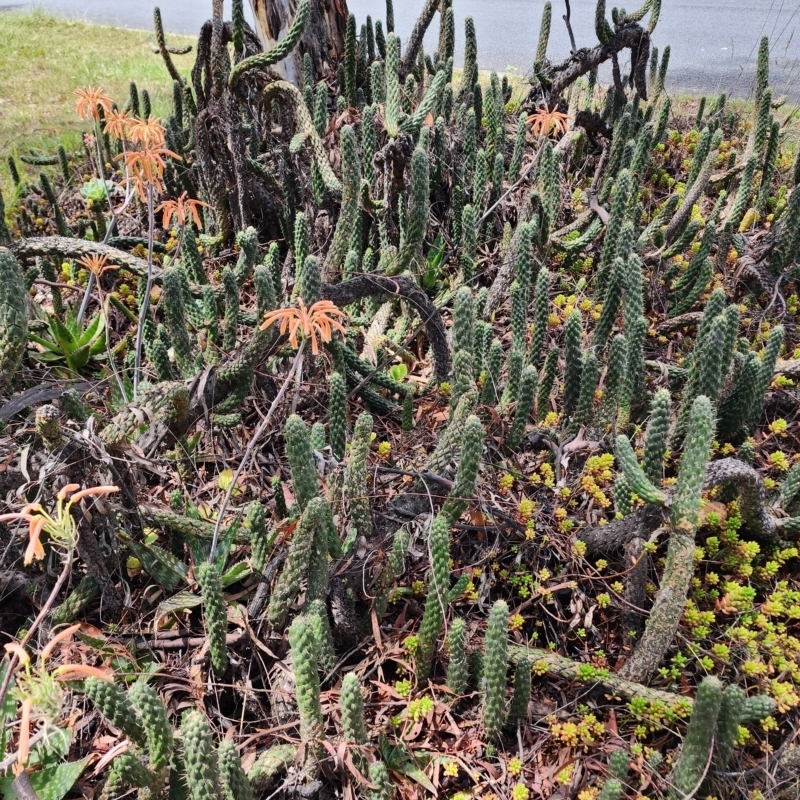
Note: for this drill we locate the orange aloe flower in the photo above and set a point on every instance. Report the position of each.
(317, 320)
(148, 132)
(61, 527)
(96, 264)
(146, 167)
(545, 121)
(89, 100)
(179, 208)
(116, 123)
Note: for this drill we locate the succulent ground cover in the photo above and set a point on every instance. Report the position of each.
(404, 434)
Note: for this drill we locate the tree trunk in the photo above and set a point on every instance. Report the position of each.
(323, 39)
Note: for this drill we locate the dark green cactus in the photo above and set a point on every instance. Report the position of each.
(175, 322)
(378, 774)
(309, 285)
(417, 215)
(491, 380)
(153, 715)
(527, 395)
(655, 443)
(301, 461)
(199, 758)
(635, 477)
(463, 369)
(590, 376)
(304, 666)
(615, 375)
(77, 600)
(113, 703)
(392, 114)
(350, 208)
(215, 615)
(354, 726)
(457, 666)
(611, 302)
(546, 384)
(495, 658)
(518, 710)
(256, 523)
(691, 765)
(544, 33)
(573, 348)
(355, 484)
(265, 291)
(317, 615)
(338, 415)
(468, 466)
(13, 316)
(766, 371)
(622, 496)
(515, 164)
(231, 325)
(235, 783)
(463, 320)
(619, 210)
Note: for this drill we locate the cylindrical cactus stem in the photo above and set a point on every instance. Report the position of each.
(655, 443)
(544, 33)
(355, 482)
(255, 521)
(611, 302)
(462, 377)
(635, 477)
(379, 777)
(215, 615)
(128, 768)
(302, 240)
(233, 778)
(495, 659)
(301, 461)
(519, 317)
(518, 710)
(468, 466)
(308, 545)
(590, 376)
(304, 665)
(392, 113)
(350, 209)
(695, 755)
(115, 705)
(539, 318)
(463, 320)
(573, 349)
(199, 757)
(515, 165)
(527, 395)
(317, 615)
(457, 666)
(265, 291)
(354, 726)
(338, 414)
(766, 371)
(175, 321)
(417, 216)
(619, 210)
(491, 380)
(622, 495)
(730, 718)
(350, 62)
(408, 411)
(61, 224)
(516, 362)
(157, 728)
(546, 384)
(231, 325)
(436, 601)
(76, 601)
(309, 285)
(13, 316)
(615, 375)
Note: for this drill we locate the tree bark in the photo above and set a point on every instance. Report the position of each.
(323, 39)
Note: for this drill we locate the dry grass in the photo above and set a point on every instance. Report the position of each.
(44, 59)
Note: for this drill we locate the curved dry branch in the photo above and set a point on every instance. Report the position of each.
(417, 35)
(363, 286)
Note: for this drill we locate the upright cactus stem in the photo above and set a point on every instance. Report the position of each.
(355, 483)
(301, 461)
(198, 755)
(457, 666)
(215, 615)
(655, 443)
(495, 659)
(353, 723)
(13, 316)
(338, 414)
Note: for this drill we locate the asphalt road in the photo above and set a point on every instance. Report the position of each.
(713, 44)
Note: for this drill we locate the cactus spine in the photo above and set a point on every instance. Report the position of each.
(495, 658)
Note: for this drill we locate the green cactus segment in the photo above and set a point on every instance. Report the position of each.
(235, 783)
(255, 521)
(457, 666)
(230, 328)
(573, 347)
(317, 616)
(354, 726)
(464, 321)
(767, 369)
(157, 728)
(539, 317)
(355, 485)
(309, 284)
(491, 380)
(379, 777)
(635, 477)
(417, 214)
(190, 257)
(199, 757)
(436, 601)
(338, 415)
(730, 717)
(304, 665)
(13, 316)
(757, 707)
(466, 479)
(590, 375)
(280, 51)
(697, 448)
(518, 710)
(611, 302)
(547, 383)
(175, 322)
(350, 209)
(113, 703)
(495, 660)
(655, 443)
(527, 395)
(309, 545)
(128, 769)
(77, 600)
(695, 754)
(301, 461)
(392, 113)
(215, 615)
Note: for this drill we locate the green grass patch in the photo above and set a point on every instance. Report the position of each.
(43, 59)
